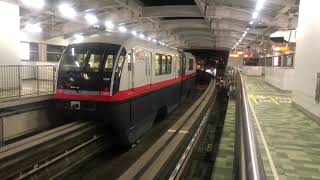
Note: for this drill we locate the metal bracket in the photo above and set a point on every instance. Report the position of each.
(317, 96)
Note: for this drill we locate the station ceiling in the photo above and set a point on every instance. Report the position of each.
(185, 24)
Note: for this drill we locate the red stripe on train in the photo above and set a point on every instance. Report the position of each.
(122, 95)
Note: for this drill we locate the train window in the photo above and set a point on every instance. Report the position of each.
(94, 62)
(157, 65)
(169, 65)
(163, 65)
(109, 62)
(190, 64)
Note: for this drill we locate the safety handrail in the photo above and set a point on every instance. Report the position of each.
(248, 162)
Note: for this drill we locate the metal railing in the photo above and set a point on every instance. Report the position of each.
(248, 162)
(17, 81)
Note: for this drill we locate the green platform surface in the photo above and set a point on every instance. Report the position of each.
(224, 163)
(289, 140)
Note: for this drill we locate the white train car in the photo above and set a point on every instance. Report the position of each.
(124, 80)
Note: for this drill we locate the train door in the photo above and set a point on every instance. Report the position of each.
(149, 68)
(130, 72)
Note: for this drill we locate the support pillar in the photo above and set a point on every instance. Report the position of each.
(307, 58)
(9, 46)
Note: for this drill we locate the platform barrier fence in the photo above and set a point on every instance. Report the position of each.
(248, 162)
(17, 81)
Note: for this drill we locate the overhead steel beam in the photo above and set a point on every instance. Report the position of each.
(171, 11)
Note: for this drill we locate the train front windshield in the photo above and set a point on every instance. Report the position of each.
(88, 66)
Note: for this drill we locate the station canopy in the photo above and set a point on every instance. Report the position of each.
(183, 24)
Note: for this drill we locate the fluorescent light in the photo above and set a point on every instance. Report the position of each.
(34, 3)
(33, 28)
(134, 33)
(79, 38)
(255, 15)
(259, 5)
(109, 25)
(251, 22)
(149, 38)
(122, 29)
(248, 29)
(154, 40)
(67, 11)
(91, 19)
(141, 36)
(77, 35)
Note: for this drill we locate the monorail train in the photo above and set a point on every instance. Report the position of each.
(124, 80)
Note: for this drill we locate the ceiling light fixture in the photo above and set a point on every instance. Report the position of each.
(33, 28)
(251, 22)
(141, 36)
(134, 33)
(67, 11)
(109, 24)
(34, 3)
(259, 5)
(255, 15)
(91, 19)
(122, 29)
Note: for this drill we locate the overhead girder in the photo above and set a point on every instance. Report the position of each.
(171, 11)
(183, 23)
(253, 2)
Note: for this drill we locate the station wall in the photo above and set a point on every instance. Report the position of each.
(307, 63)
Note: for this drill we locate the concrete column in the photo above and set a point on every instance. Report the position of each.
(9, 33)
(307, 59)
(9, 47)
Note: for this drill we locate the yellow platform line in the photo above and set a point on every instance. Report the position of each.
(274, 101)
(254, 99)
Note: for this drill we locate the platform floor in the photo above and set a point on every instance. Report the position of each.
(223, 168)
(288, 139)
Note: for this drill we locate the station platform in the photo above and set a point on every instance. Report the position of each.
(289, 140)
(223, 168)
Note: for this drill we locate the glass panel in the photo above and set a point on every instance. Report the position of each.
(288, 60)
(169, 64)
(82, 64)
(269, 61)
(163, 64)
(277, 61)
(190, 64)
(157, 64)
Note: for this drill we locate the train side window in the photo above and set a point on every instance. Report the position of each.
(163, 65)
(190, 64)
(157, 65)
(169, 65)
